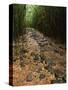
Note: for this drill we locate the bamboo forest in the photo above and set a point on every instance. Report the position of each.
(38, 44)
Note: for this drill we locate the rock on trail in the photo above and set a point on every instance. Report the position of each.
(38, 60)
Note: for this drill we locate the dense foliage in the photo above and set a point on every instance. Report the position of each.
(18, 20)
(49, 20)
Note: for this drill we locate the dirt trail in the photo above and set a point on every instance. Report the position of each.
(38, 60)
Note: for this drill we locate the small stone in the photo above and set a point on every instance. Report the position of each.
(36, 57)
(42, 76)
(29, 77)
(55, 50)
(43, 49)
(49, 62)
(44, 40)
(42, 58)
(39, 70)
(43, 44)
(60, 78)
(43, 69)
(44, 62)
(49, 68)
(58, 73)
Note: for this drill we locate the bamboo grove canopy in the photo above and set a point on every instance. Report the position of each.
(49, 20)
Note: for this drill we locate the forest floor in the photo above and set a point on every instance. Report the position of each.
(38, 60)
